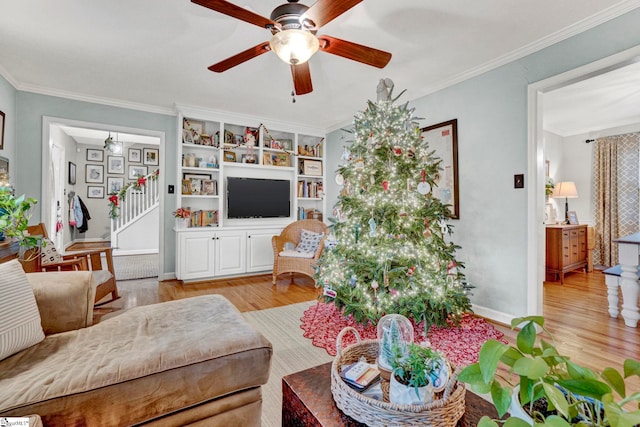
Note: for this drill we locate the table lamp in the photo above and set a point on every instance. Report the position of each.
(566, 189)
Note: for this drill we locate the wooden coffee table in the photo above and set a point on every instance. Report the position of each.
(307, 401)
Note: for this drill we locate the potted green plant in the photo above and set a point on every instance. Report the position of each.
(15, 213)
(572, 395)
(417, 373)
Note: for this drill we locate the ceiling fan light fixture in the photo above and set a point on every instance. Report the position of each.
(294, 46)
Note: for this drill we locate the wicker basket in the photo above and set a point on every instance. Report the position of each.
(442, 412)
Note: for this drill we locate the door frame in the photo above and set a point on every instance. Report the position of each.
(535, 166)
(48, 121)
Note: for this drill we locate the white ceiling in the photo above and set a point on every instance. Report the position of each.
(153, 54)
(608, 100)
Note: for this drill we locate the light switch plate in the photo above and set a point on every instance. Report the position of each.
(518, 181)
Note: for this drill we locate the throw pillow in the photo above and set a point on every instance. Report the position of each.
(19, 316)
(49, 253)
(309, 241)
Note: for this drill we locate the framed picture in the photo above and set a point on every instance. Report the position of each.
(443, 139)
(228, 137)
(209, 187)
(229, 156)
(134, 155)
(281, 159)
(94, 174)
(186, 187)
(115, 164)
(196, 186)
(114, 185)
(150, 156)
(4, 166)
(2, 118)
(72, 173)
(266, 159)
(95, 155)
(95, 192)
(136, 171)
(311, 167)
(193, 125)
(573, 217)
(286, 144)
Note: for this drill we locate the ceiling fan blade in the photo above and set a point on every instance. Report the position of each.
(240, 58)
(325, 11)
(301, 78)
(357, 52)
(234, 11)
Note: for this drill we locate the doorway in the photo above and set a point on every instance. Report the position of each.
(85, 152)
(536, 163)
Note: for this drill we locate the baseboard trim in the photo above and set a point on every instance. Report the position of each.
(494, 315)
(167, 276)
(118, 252)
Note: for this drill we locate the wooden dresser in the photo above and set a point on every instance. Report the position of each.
(566, 250)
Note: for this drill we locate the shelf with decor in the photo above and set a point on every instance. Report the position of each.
(255, 170)
(310, 177)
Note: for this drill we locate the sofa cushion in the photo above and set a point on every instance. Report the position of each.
(146, 362)
(309, 241)
(19, 316)
(48, 253)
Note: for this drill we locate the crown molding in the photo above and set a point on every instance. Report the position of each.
(567, 32)
(40, 90)
(8, 77)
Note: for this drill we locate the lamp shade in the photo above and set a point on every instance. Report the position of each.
(294, 46)
(566, 189)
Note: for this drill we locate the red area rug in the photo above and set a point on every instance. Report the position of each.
(323, 322)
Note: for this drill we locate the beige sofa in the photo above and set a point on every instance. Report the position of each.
(186, 362)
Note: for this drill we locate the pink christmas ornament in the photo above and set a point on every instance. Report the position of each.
(397, 150)
(374, 285)
(385, 185)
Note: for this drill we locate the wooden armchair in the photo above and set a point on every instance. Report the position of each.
(289, 262)
(80, 261)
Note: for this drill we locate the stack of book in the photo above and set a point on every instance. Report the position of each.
(310, 189)
(204, 218)
(360, 375)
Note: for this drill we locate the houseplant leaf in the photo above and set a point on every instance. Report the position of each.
(586, 387)
(527, 338)
(631, 367)
(489, 357)
(556, 421)
(557, 399)
(615, 380)
(531, 368)
(501, 397)
(472, 376)
(487, 422)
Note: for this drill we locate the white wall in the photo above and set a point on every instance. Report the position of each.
(572, 160)
(70, 150)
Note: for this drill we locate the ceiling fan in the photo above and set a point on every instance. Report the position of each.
(293, 27)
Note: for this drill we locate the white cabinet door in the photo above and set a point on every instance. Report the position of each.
(231, 252)
(259, 250)
(196, 254)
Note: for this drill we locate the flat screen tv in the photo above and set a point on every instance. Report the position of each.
(258, 198)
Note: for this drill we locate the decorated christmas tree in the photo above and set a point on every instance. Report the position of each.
(389, 250)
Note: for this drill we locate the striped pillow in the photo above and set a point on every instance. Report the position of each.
(19, 316)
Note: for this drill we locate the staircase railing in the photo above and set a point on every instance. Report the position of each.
(137, 201)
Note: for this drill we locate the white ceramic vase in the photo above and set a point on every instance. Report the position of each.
(516, 410)
(182, 222)
(406, 395)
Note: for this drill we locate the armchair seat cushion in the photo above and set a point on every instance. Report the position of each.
(146, 362)
(296, 254)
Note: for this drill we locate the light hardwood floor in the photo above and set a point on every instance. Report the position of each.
(575, 312)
